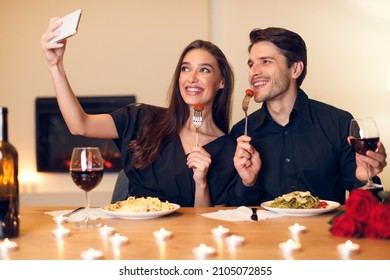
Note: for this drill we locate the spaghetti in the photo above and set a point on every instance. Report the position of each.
(296, 200)
(141, 204)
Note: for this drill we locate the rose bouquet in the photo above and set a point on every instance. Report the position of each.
(365, 215)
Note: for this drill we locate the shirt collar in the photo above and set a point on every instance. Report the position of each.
(301, 107)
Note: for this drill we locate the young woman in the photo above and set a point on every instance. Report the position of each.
(157, 145)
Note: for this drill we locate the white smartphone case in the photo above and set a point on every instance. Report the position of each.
(69, 26)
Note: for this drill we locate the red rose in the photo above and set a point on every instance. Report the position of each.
(370, 232)
(380, 219)
(346, 226)
(359, 204)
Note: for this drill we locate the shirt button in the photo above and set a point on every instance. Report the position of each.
(285, 133)
(287, 159)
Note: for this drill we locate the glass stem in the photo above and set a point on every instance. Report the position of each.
(369, 181)
(86, 207)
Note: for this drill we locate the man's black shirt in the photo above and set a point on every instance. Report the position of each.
(310, 153)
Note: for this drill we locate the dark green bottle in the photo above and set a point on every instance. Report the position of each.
(9, 185)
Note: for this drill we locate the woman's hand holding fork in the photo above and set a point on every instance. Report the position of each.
(199, 160)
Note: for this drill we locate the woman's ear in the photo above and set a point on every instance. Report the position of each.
(222, 84)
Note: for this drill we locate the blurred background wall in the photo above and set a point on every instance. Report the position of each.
(131, 47)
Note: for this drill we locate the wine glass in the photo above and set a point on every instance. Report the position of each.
(86, 169)
(364, 137)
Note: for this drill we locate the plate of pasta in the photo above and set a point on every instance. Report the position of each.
(140, 208)
(300, 204)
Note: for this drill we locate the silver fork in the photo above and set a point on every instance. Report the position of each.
(197, 122)
(73, 211)
(245, 106)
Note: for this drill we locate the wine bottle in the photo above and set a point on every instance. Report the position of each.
(9, 185)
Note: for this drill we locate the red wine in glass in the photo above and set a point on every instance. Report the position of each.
(86, 170)
(365, 137)
(86, 180)
(361, 146)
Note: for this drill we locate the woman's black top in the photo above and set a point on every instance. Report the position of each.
(169, 177)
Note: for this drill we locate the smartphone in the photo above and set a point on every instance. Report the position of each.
(69, 26)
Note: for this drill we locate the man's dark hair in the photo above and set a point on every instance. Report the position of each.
(291, 45)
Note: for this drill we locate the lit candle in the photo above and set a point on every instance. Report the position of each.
(220, 231)
(296, 229)
(106, 231)
(203, 251)
(61, 232)
(162, 234)
(92, 254)
(8, 245)
(59, 220)
(348, 247)
(290, 246)
(234, 240)
(118, 240)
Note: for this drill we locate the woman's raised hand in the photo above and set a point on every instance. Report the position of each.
(54, 52)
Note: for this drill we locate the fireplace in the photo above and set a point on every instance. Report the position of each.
(54, 142)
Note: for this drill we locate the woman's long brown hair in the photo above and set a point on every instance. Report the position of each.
(164, 125)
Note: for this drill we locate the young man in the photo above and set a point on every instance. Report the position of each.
(293, 142)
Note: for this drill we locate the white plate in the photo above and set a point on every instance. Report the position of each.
(141, 215)
(302, 212)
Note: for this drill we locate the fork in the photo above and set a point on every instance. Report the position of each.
(245, 105)
(197, 120)
(73, 211)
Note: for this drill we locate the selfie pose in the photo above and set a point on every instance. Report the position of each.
(158, 145)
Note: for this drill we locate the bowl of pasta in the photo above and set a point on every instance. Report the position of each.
(140, 208)
(299, 203)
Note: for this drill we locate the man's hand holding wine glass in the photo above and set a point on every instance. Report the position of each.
(376, 160)
(370, 152)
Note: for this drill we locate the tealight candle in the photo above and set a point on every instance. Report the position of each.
(296, 229)
(92, 254)
(59, 220)
(118, 240)
(8, 245)
(220, 231)
(203, 251)
(61, 232)
(106, 231)
(290, 246)
(348, 247)
(234, 240)
(162, 234)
